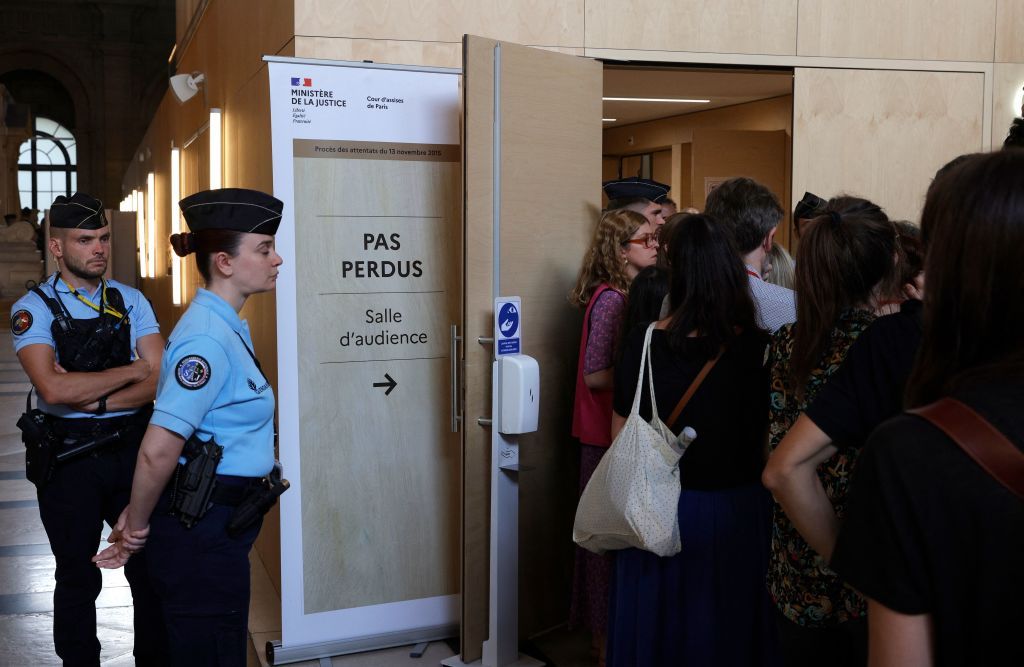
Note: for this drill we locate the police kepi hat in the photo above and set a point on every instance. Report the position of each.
(631, 188)
(236, 209)
(79, 211)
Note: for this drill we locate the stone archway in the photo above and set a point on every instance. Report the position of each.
(52, 68)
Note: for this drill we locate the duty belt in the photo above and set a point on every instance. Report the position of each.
(90, 434)
(231, 490)
(85, 426)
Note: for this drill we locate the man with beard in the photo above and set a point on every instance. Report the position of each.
(92, 349)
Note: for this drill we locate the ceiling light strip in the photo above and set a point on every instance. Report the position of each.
(654, 99)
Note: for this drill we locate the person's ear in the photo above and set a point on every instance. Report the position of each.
(769, 239)
(55, 247)
(223, 262)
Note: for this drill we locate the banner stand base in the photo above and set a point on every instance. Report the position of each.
(523, 661)
(278, 654)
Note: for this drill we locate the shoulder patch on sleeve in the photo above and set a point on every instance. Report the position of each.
(192, 372)
(21, 322)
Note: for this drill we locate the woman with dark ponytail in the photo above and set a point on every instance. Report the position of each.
(846, 259)
(934, 531)
(214, 408)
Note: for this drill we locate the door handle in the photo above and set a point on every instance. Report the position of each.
(456, 394)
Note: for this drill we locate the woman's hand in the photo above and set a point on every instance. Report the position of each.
(124, 543)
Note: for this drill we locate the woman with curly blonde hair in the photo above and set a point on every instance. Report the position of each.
(623, 244)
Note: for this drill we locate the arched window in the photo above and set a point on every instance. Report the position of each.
(46, 165)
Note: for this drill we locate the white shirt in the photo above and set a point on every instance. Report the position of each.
(775, 305)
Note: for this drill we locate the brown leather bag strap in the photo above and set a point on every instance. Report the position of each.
(989, 448)
(692, 389)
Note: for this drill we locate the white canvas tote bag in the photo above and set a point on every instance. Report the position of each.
(632, 499)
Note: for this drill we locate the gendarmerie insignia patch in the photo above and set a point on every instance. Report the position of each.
(192, 372)
(21, 322)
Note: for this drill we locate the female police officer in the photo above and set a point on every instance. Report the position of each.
(211, 395)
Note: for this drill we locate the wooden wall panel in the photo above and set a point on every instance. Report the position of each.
(1006, 94)
(882, 134)
(522, 21)
(910, 29)
(1009, 31)
(682, 182)
(727, 154)
(661, 167)
(184, 10)
(727, 26)
(427, 54)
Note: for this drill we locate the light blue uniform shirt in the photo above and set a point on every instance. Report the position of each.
(33, 319)
(211, 386)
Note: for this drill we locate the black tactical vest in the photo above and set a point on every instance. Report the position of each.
(91, 345)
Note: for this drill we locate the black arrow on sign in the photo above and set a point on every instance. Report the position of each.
(390, 384)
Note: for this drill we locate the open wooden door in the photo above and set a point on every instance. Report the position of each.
(545, 166)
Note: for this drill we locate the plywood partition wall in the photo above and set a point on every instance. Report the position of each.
(881, 134)
(550, 107)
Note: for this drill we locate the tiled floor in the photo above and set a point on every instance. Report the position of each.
(26, 579)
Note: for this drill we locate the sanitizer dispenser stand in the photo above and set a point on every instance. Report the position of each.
(515, 399)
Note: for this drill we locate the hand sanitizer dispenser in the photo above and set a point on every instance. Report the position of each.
(520, 393)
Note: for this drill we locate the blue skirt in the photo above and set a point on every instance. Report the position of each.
(708, 604)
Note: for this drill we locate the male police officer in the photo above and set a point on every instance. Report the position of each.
(92, 349)
(637, 194)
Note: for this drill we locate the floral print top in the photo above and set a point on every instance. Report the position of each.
(803, 587)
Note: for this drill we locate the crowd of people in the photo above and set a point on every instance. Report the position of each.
(821, 524)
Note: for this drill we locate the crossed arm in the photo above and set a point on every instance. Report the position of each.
(125, 387)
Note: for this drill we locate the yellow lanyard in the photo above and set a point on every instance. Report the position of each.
(103, 299)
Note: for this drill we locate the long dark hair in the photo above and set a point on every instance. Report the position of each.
(643, 303)
(205, 244)
(911, 251)
(844, 255)
(707, 286)
(973, 229)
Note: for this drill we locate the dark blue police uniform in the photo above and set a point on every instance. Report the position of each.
(211, 387)
(94, 487)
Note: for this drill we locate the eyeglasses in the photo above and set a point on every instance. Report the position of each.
(648, 240)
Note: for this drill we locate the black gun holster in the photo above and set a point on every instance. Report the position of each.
(259, 498)
(40, 447)
(194, 480)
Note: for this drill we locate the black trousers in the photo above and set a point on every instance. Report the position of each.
(82, 494)
(202, 578)
(843, 645)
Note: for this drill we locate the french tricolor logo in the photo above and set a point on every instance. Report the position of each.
(299, 81)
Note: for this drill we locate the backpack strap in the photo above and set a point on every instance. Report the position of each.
(976, 436)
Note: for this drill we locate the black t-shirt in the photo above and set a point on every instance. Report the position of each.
(729, 411)
(868, 388)
(928, 531)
